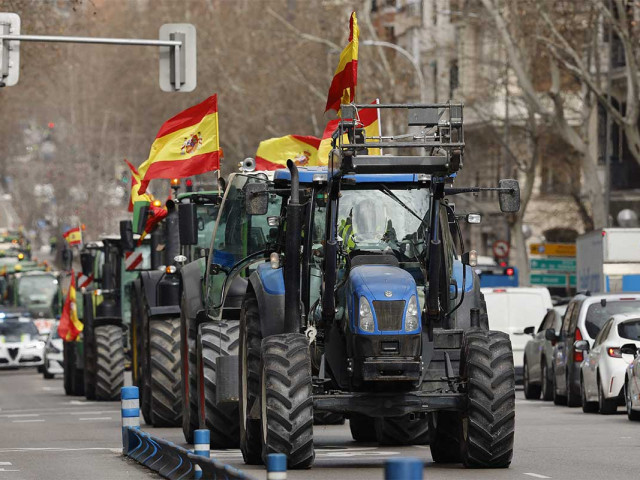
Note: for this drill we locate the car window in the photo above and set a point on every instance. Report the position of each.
(602, 334)
(547, 321)
(630, 330)
(597, 314)
(575, 313)
(567, 318)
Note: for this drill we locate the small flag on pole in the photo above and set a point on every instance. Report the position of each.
(73, 236)
(345, 79)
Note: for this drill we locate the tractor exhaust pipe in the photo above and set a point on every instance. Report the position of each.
(292, 312)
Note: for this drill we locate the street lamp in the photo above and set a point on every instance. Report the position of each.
(407, 55)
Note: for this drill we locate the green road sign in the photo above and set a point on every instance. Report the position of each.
(552, 279)
(554, 264)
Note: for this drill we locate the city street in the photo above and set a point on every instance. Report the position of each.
(46, 434)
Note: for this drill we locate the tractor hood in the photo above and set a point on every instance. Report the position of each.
(382, 282)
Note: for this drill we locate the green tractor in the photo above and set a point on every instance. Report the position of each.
(155, 304)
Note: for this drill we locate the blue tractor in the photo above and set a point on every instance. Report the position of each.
(355, 302)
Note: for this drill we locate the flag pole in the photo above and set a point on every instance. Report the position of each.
(379, 123)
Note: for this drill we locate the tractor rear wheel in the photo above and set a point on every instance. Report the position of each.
(249, 353)
(403, 430)
(488, 423)
(188, 373)
(165, 408)
(444, 436)
(109, 343)
(287, 399)
(217, 339)
(363, 428)
(72, 385)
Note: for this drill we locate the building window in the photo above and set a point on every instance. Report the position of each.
(614, 154)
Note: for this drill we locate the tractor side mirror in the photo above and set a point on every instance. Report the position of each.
(126, 236)
(188, 223)
(509, 195)
(256, 199)
(86, 261)
(629, 349)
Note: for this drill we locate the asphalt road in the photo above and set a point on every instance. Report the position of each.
(45, 434)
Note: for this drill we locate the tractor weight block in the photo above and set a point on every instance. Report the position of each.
(227, 386)
(423, 117)
(449, 339)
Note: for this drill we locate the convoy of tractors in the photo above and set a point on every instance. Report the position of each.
(308, 294)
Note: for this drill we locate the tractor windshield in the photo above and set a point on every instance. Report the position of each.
(384, 219)
(207, 215)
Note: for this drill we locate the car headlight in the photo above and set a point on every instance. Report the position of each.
(365, 319)
(412, 321)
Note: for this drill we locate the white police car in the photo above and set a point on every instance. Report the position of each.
(53, 354)
(20, 343)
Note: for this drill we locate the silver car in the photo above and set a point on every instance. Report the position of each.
(53, 354)
(538, 356)
(602, 374)
(632, 380)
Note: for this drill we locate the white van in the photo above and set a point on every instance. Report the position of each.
(511, 310)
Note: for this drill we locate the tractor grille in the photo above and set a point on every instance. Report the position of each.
(389, 314)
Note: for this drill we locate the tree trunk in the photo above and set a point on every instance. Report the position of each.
(519, 249)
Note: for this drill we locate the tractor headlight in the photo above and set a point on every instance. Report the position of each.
(411, 321)
(365, 319)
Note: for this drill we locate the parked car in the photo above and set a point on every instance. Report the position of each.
(20, 343)
(632, 382)
(538, 356)
(602, 374)
(53, 354)
(585, 317)
(513, 309)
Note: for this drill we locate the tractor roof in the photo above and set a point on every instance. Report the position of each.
(311, 174)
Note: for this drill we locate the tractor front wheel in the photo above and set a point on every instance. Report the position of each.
(109, 343)
(165, 408)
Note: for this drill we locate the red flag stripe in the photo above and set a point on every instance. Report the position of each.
(190, 116)
(346, 78)
(132, 260)
(183, 168)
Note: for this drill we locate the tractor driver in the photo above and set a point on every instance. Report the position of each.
(366, 226)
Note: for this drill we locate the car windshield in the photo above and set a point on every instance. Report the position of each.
(37, 290)
(384, 218)
(597, 315)
(13, 331)
(630, 330)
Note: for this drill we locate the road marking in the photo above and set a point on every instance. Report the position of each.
(18, 415)
(97, 412)
(5, 463)
(5, 470)
(28, 421)
(536, 475)
(94, 418)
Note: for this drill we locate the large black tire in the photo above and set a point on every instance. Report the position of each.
(363, 428)
(69, 367)
(89, 372)
(488, 424)
(249, 376)
(287, 399)
(531, 391)
(144, 382)
(217, 339)
(109, 362)
(136, 335)
(547, 382)
(402, 430)
(165, 404)
(444, 436)
(188, 373)
(328, 418)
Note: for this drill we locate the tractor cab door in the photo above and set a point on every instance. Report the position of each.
(239, 241)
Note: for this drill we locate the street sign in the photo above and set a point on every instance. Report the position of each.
(9, 49)
(553, 249)
(178, 65)
(501, 249)
(552, 279)
(553, 264)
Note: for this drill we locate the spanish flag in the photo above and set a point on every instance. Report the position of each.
(274, 153)
(188, 144)
(135, 187)
(70, 325)
(343, 85)
(157, 213)
(73, 236)
(368, 119)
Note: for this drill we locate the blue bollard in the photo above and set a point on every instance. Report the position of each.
(403, 469)
(276, 466)
(201, 447)
(130, 399)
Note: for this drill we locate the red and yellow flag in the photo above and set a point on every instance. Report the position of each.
(135, 196)
(188, 144)
(274, 153)
(157, 212)
(73, 236)
(343, 85)
(368, 119)
(70, 325)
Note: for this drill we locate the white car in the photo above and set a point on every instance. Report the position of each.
(602, 373)
(632, 381)
(53, 354)
(20, 343)
(511, 310)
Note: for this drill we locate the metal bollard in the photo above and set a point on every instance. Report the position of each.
(130, 398)
(276, 466)
(403, 469)
(201, 447)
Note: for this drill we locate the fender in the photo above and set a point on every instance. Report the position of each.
(192, 276)
(268, 285)
(149, 281)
